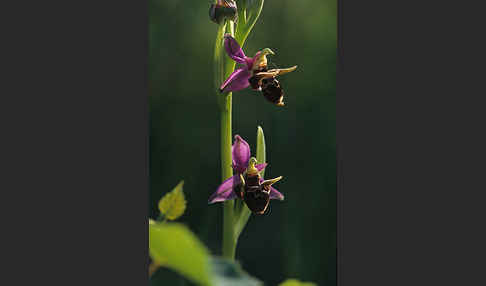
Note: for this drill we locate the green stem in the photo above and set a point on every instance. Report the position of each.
(229, 241)
(226, 67)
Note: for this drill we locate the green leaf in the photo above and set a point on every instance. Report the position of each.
(247, 19)
(261, 149)
(227, 273)
(173, 204)
(218, 58)
(295, 282)
(174, 246)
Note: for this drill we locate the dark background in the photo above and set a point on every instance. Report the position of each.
(297, 238)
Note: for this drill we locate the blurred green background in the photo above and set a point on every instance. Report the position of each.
(297, 237)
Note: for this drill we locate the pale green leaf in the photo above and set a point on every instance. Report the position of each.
(295, 282)
(261, 149)
(173, 204)
(174, 246)
(218, 58)
(247, 19)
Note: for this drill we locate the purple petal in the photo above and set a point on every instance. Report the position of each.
(261, 166)
(276, 195)
(241, 154)
(233, 49)
(225, 190)
(238, 80)
(251, 61)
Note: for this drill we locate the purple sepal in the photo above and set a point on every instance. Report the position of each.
(261, 166)
(238, 80)
(225, 190)
(276, 195)
(234, 50)
(241, 154)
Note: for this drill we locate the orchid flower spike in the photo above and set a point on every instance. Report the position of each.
(254, 72)
(247, 184)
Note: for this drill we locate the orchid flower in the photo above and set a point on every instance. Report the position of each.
(247, 183)
(253, 73)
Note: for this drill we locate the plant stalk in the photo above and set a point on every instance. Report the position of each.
(229, 239)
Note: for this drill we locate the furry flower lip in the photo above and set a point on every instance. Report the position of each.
(223, 9)
(247, 184)
(254, 72)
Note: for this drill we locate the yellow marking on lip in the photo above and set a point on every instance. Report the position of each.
(252, 170)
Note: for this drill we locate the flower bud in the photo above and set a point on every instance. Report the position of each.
(223, 9)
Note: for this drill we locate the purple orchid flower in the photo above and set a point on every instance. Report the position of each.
(253, 73)
(247, 184)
